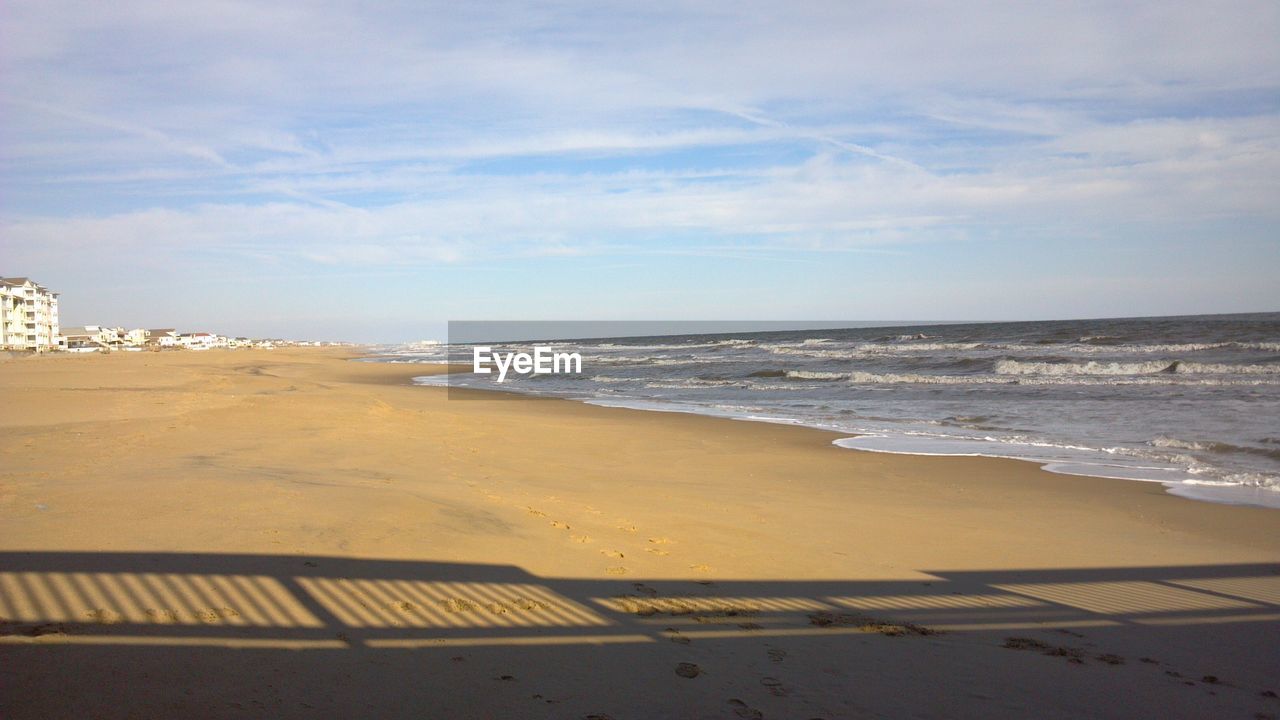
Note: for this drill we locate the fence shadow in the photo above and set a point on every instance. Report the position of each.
(208, 610)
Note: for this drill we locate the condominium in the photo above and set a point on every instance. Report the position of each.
(28, 316)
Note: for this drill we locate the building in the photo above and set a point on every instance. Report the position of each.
(200, 341)
(162, 337)
(28, 316)
(135, 338)
(83, 338)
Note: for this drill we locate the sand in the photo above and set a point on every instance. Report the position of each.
(291, 534)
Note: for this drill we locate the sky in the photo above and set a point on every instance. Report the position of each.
(368, 171)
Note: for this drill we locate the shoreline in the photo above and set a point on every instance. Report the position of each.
(293, 530)
(1207, 492)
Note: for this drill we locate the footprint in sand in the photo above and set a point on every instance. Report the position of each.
(657, 551)
(458, 605)
(215, 615)
(744, 710)
(612, 553)
(616, 571)
(535, 512)
(162, 615)
(103, 616)
(774, 685)
(559, 525)
(661, 541)
(584, 539)
(627, 527)
(777, 654)
(701, 567)
(688, 670)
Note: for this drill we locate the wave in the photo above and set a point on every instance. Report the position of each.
(1165, 348)
(1019, 367)
(657, 346)
(918, 379)
(661, 360)
(1212, 446)
(1226, 369)
(692, 383)
(862, 350)
(1128, 463)
(815, 375)
(868, 378)
(905, 344)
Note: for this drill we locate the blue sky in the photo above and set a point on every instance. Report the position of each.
(367, 171)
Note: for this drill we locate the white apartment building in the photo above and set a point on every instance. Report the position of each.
(28, 316)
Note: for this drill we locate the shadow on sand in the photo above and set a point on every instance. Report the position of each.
(156, 634)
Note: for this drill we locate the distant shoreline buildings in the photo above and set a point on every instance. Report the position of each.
(29, 322)
(28, 315)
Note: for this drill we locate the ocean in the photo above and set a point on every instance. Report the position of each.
(1191, 402)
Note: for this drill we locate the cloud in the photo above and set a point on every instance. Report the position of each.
(416, 134)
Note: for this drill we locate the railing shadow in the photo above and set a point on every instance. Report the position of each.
(332, 602)
(128, 635)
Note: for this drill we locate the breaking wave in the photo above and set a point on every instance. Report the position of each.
(1019, 367)
(816, 375)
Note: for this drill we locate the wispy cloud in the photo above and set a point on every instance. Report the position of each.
(428, 135)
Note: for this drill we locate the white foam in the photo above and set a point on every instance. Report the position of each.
(816, 375)
(916, 378)
(1237, 488)
(1060, 379)
(1017, 367)
(1225, 369)
(441, 380)
(691, 383)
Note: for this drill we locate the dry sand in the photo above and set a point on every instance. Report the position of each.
(290, 534)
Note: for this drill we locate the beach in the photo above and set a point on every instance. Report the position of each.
(288, 533)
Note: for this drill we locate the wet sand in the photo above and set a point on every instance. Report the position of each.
(288, 533)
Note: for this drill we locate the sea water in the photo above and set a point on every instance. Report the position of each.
(1192, 402)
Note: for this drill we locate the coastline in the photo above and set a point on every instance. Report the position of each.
(299, 453)
(899, 444)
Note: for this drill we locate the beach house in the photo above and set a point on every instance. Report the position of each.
(89, 338)
(162, 337)
(199, 341)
